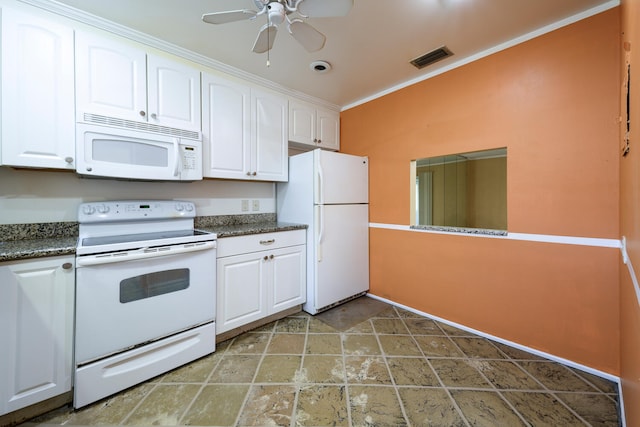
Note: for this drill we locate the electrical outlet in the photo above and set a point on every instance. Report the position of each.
(256, 205)
(245, 205)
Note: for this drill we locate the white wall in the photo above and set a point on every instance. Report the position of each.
(30, 196)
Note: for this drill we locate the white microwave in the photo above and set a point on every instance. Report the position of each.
(104, 151)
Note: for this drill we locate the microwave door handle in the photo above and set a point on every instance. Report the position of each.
(176, 149)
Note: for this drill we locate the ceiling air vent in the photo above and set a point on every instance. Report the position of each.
(431, 57)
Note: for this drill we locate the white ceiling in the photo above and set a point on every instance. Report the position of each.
(369, 49)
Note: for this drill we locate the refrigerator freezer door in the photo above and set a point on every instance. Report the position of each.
(342, 253)
(340, 178)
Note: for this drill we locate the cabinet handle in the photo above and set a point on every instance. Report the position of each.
(254, 174)
(266, 258)
(67, 266)
(315, 139)
(248, 173)
(267, 242)
(142, 113)
(319, 141)
(271, 257)
(154, 116)
(68, 160)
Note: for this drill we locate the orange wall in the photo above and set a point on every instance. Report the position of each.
(554, 103)
(630, 220)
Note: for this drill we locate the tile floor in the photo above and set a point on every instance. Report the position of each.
(362, 364)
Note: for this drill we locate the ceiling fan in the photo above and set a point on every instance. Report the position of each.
(290, 11)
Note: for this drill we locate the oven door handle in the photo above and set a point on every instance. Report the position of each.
(141, 254)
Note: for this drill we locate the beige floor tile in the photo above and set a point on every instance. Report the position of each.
(236, 368)
(317, 326)
(322, 406)
(216, 405)
(452, 331)
(406, 314)
(361, 328)
(194, 372)
(422, 326)
(479, 348)
(412, 371)
(111, 411)
(516, 353)
(506, 375)
(430, 407)
(601, 384)
(249, 343)
(556, 377)
(322, 369)
(486, 408)
(292, 325)
(269, 405)
(360, 345)
(399, 345)
(323, 344)
(286, 344)
(542, 409)
(164, 406)
(367, 370)
(375, 406)
(434, 346)
(390, 326)
(458, 373)
(597, 409)
(278, 369)
(387, 313)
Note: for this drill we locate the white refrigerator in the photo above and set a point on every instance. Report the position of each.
(329, 192)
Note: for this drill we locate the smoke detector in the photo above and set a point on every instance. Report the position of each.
(320, 66)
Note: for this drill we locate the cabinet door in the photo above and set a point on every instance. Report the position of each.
(36, 331)
(241, 297)
(328, 126)
(288, 273)
(269, 136)
(111, 78)
(226, 128)
(38, 126)
(173, 91)
(302, 123)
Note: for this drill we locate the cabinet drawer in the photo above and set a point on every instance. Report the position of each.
(229, 246)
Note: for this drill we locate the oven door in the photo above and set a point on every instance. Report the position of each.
(129, 298)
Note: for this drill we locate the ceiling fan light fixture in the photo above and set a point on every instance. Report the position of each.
(320, 67)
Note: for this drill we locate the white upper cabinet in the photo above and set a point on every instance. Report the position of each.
(313, 127)
(120, 80)
(38, 127)
(269, 137)
(244, 131)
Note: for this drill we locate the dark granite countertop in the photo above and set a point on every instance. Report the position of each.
(12, 250)
(26, 241)
(255, 228)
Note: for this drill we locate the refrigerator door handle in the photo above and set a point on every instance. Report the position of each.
(320, 184)
(320, 232)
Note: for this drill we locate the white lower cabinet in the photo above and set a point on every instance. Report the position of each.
(36, 330)
(259, 275)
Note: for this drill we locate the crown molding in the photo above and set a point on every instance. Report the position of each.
(140, 37)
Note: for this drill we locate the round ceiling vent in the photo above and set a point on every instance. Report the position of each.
(320, 66)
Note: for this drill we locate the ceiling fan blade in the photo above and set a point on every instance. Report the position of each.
(324, 8)
(264, 41)
(310, 38)
(230, 16)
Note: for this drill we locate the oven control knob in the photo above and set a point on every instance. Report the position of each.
(103, 209)
(179, 207)
(188, 207)
(88, 210)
